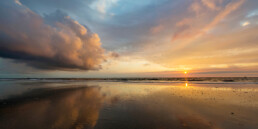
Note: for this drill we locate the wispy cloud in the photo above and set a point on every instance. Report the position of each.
(190, 31)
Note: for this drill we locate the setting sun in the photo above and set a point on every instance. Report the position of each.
(185, 72)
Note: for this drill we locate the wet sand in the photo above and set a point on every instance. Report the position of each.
(96, 104)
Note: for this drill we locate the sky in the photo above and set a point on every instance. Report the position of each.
(128, 38)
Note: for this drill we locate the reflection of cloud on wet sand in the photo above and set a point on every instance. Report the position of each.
(71, 108)
(195, 122)
(157, 110)
(140, 116)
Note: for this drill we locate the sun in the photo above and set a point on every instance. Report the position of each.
(185, 72)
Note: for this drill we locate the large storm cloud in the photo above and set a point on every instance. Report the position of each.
(53, 41)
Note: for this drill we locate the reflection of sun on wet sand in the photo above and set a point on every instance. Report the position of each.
(122, 105)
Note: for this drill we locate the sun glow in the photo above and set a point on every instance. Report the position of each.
(185, 72)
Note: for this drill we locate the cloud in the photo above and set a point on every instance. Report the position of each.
(17, 2)
(189, 28)
(103, 5)
(157, 29)
(53, 41)
(212, 4)
(228, 9)
(246, 23)
(114, 55)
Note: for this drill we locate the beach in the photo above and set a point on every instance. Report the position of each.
(130, 104)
